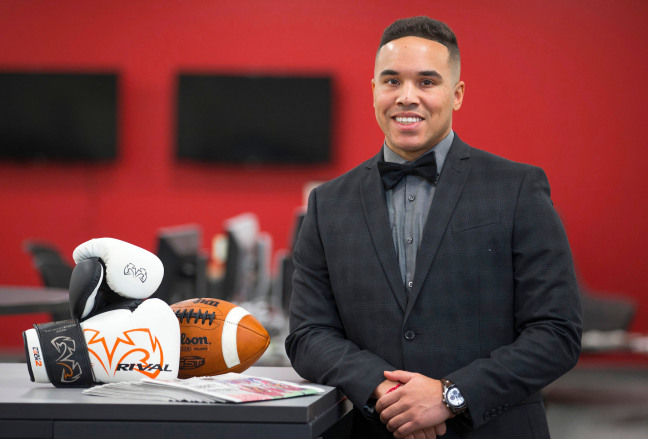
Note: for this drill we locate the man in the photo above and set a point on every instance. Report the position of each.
(440, 302)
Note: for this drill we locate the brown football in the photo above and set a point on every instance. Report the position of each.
(217, 337)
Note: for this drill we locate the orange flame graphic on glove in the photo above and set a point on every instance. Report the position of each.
(148, 346)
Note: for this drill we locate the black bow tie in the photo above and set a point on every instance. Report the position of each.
(392, 173)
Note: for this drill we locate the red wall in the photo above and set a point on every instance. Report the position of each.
(560, 84)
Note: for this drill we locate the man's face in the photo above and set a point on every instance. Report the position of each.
(415, 91)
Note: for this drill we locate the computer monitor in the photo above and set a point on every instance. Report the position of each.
(58, 116)
(185, 265)
(263, 268)
(300, 214)
(239, 279)
(289, 123)
(231, 279)
(282, 287)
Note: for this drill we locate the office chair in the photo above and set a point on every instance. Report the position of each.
(607, 311)
(54, 271)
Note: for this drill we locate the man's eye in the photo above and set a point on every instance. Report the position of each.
(427, 82)
(392, 81)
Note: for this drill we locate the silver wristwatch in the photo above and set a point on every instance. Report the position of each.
(452, 397)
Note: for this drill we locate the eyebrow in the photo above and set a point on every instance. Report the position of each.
(430, 73)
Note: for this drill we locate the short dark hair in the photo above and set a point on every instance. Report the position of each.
(423, 27)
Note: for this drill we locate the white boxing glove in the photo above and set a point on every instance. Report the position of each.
(131, 271)
(108, 271)
(124, 342)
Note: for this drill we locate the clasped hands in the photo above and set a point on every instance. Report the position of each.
(414, 410)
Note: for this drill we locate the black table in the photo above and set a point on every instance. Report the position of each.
(22, 300)
(30, 410)
(600, 399)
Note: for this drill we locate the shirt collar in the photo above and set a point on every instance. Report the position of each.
(440, 150)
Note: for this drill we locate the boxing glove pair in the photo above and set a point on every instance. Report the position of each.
(116, 333)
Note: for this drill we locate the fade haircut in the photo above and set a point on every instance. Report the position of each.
(428, 28)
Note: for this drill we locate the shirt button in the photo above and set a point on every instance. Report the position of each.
(410, 239)
(409, 334)
(412, 197)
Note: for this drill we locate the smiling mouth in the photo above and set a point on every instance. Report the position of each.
(407, 120)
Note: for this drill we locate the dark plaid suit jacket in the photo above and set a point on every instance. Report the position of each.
(494, 307)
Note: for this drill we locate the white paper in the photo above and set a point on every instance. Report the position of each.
(231, 387)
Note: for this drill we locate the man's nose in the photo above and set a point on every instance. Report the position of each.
(408, 95)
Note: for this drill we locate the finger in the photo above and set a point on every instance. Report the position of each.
(385, 401)
(394, 414)
(413, 427)
(412, 435)
(396, 422)
(440, 429)
(399, 375)
(431, 433)
(426, 434)
(410, 430)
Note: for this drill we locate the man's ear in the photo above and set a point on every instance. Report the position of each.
(459, 90)
(373, 91)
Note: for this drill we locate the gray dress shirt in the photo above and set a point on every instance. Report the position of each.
(409, 204)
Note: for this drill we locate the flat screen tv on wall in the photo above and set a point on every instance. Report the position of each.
(58, 116)
(253, 119)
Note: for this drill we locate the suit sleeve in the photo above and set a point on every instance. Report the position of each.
(547, 311)
(317, 345)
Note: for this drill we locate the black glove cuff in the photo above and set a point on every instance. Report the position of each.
(65, 353)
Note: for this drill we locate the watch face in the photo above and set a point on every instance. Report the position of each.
(454, 397)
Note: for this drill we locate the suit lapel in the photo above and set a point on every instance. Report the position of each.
(449, 189)
(375, 210)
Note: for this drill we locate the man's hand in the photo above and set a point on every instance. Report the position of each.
(383, 388)
(414, 410)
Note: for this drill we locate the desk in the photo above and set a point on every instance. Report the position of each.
(30, 410)
(22, 300)
(599, 400)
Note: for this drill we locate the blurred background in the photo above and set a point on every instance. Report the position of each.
(195, 129)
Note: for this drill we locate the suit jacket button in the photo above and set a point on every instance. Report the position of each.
(409, 334)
